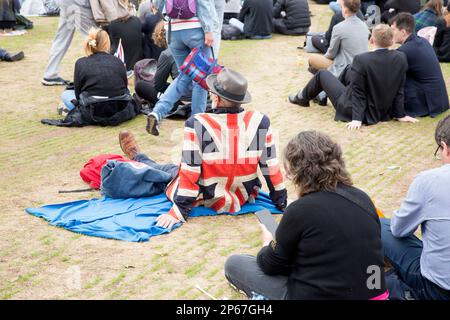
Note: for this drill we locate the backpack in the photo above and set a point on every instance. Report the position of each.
(99, 111)
(181, 9)
(230, 32)
(145, 69)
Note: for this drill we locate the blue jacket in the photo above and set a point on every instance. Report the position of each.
(425, 90)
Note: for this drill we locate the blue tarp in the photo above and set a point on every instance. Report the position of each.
(130, 219)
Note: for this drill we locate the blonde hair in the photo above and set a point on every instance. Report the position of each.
(159, 35)
(383, 35)
(97, 41)
(436, 5)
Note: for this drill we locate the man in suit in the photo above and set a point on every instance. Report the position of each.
(373, 94)
(425, 90)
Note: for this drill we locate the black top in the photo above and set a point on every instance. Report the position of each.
(257, 17)
(297, 13)
(442, 41)
(100, 74)
(374, 94)
(166, 67)
(325, 244)
(130, 31)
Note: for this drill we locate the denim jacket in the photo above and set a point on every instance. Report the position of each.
(206, 12)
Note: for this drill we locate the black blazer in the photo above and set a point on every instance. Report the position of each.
(425, 89)
(442, 41)
(375, 92)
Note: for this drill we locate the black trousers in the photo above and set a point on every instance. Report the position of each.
(280, 27)
(324, 80)
(146, 91)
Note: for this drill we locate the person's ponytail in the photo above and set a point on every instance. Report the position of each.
(96, 41)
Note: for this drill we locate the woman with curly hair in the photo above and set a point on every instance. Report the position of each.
(328, 243)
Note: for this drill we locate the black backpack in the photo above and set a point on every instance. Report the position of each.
(102, 112)
(230, 32)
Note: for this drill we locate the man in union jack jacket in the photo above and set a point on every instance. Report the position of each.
(222, 151)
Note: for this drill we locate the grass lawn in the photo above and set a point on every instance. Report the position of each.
(39, 261)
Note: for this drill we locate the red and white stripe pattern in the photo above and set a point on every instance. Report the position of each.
(222, 153)
(119, 53)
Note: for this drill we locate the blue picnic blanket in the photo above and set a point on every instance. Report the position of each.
(130, 219)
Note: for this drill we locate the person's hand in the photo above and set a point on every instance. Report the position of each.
(354, 125)
(166, 221)
(267, 236)
(209, 39)
(408, 119)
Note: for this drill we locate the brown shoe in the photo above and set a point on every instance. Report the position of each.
(128, 144)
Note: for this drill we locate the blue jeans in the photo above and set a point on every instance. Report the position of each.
(67, 97)
(168, 168)
(181, 44)
(335, 7)
(404, 255)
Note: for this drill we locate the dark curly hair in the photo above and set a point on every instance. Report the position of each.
(314, 162)
(442, 132)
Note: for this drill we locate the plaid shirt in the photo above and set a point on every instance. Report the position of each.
(425, 18)
(222, 152)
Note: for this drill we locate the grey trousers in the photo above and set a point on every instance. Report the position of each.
(243, 272)
(72, 17)
(220, 8)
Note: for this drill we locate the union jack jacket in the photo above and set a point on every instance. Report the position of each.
(222, 151)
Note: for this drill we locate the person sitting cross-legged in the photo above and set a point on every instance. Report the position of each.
(372, 94)
(423, 265)
(328, 242)
(222, 152)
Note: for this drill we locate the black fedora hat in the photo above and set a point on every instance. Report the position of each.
(229, 85)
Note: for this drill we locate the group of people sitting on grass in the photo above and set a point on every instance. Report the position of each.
(356, 81)
(331, 243)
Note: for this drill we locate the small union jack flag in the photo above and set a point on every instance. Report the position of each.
(119, 53)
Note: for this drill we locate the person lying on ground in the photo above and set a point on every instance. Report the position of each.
(350, 38)
(255, 19)
(372, 95)
(98, 74)
(441, 43)
(222, 152)
(425, 89)
(165, 68)
(429, 15)
(6, 56)
(327, 239)
(291, 17)
(423, 265)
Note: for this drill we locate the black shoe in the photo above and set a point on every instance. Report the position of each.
(294, 99)
(152, 125)
(321, 102)
(55, 82)
(15, 57)
(312, 70)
